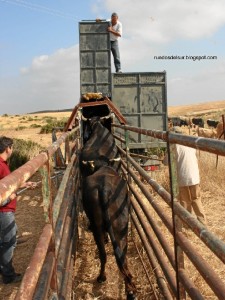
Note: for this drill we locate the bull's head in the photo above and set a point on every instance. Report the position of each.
(90, 163)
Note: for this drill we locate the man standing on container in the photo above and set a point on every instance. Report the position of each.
(115, 31)
(8, 226)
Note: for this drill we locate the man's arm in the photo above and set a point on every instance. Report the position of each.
(117, 33)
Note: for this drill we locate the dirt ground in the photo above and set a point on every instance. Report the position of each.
(87, 265)
(30, 221)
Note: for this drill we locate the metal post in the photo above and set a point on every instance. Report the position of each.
(48, 212)
(177, 224)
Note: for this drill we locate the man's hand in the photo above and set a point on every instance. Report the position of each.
(12, 196)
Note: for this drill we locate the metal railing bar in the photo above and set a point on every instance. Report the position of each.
(154, 264)
(211, 241)
(213, 280)
(31, 276)
(206, 144)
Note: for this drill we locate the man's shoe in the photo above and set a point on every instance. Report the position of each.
(12, 279)
(118, 71)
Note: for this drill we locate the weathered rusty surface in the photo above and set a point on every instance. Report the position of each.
(30, 279)
(106, 101)
(63, 251)
(46, 192)
(66, 284)
(71, 120)
(13, 181)
(62, 189)
(43, 285)
(119, 138)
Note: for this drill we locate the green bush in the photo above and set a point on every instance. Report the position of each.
(23, 151)
(30, 119)
(50, 120)
(48, 127)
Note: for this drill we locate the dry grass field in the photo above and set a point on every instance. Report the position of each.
(30, 218)
(208, 109)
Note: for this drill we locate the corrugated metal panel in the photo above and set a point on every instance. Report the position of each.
(95, 58)
(141, 98)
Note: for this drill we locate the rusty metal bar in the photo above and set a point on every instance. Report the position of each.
(30, 279)
(43, 284)
(61, 231)
(67, 151)
(119, 138)
(58, 156)
(144, 156)
(46, 191)
(205, 144)
(177, 224)
(63, 251)
(210, 240)
(68, 279)
(106, 101)
(14, 180)
(65, 208)
(71, 119)
(66, 285)
(61, 191)
(154, 264)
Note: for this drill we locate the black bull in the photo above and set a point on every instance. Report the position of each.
(99, 150)
(105, 200)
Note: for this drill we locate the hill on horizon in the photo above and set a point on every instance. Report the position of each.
(204, 108)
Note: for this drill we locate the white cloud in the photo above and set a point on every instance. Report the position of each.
(51, 82)
(205, 85)
(165, 20)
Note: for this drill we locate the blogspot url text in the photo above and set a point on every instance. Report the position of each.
(186, 57)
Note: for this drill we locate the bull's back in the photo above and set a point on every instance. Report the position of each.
(106, 190)
(101, 143)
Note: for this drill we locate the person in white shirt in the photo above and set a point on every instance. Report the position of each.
(189, 180)
(115, 31)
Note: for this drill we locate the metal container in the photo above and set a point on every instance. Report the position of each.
(95, 57)
(142, 99)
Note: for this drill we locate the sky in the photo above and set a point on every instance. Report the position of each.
(39, 49)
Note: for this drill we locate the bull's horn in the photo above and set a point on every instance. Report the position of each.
(115, 159)
(85, 162)
(91, 163)
(83, 118)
